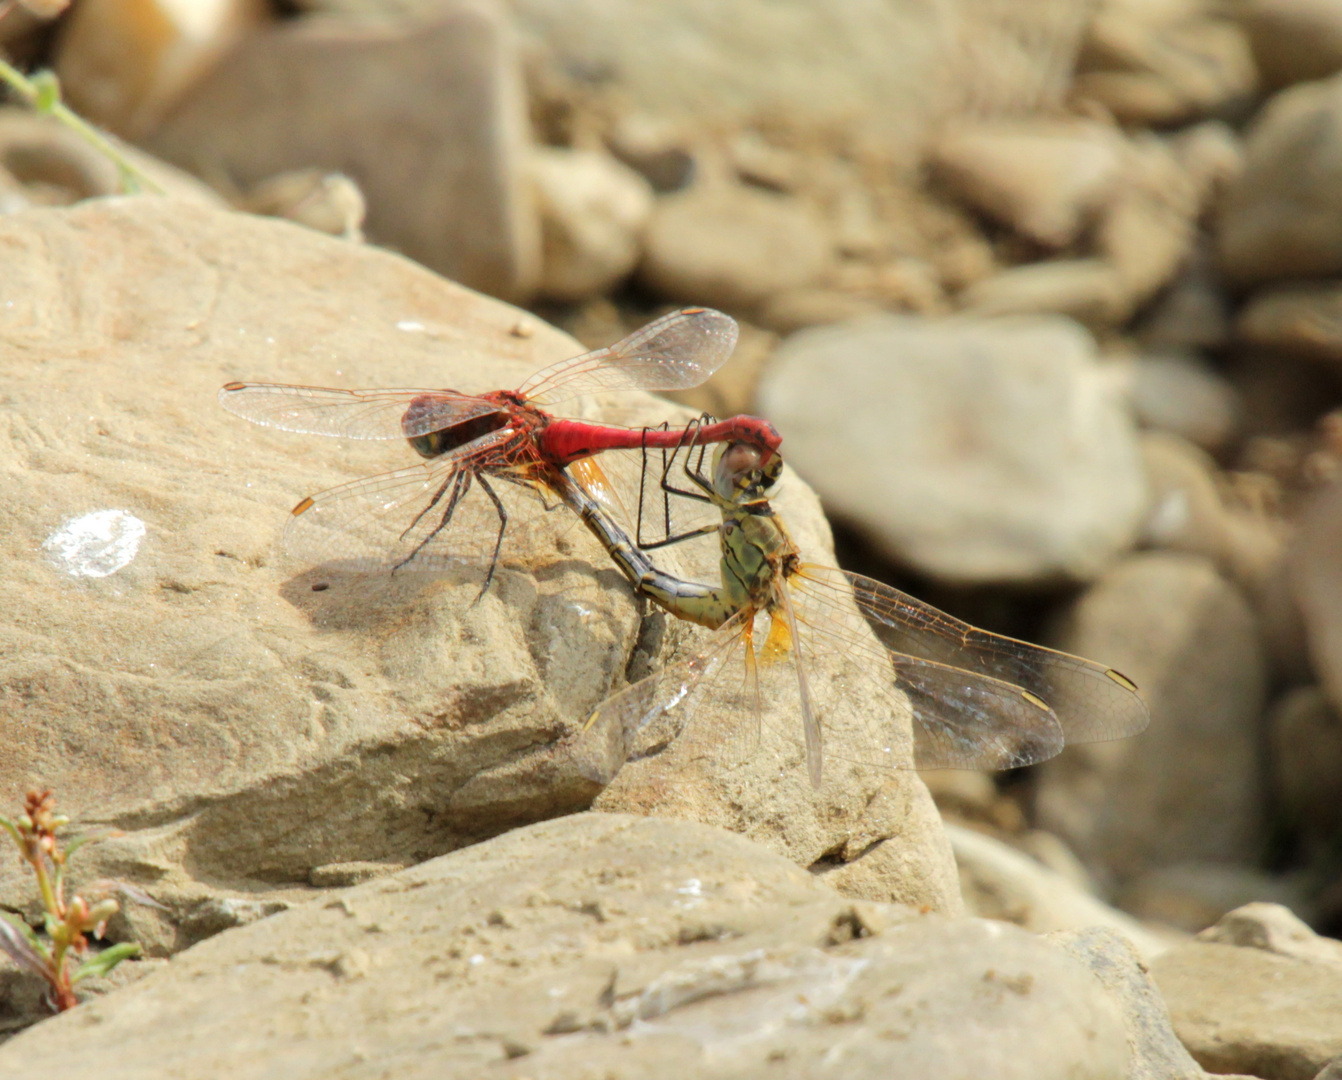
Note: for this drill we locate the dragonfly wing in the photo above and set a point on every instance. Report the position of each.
(350, 414)
(399, 520)
(961, 719)
(1093, 703)
(675, 352)
(810, 724)
(646, 717)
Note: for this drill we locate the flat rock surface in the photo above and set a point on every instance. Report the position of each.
(250, 721)
(975, 451)
(1249, 1010)
(598, 945)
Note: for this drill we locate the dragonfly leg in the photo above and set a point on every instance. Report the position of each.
(460, 484)
(498, 544)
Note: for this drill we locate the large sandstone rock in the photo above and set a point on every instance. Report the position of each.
(427, 116)
(1254, 997)
(250, 723)
(1190, 787)
(598, 945)
(972, 450)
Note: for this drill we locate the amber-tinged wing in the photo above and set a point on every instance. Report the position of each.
(675, 352)
(1093, 703)
(350, 414)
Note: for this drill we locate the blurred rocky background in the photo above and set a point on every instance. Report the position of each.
(1045, 297)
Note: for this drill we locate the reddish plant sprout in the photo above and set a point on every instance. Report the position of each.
(61, 955)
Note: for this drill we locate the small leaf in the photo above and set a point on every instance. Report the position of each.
(20, 944)
(48, 91)
(105, 961)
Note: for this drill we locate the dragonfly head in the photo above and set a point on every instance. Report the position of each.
(741, 475)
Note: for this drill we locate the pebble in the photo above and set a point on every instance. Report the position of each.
(732, 246)
(593, 211)
(1283, 218)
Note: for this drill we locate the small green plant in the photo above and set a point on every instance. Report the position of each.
(61, 955)
(42, 92)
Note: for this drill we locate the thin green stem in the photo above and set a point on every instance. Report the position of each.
(44, 96)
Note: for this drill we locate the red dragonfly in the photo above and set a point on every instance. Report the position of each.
(400, 519)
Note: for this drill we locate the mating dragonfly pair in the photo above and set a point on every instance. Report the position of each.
(978, 700)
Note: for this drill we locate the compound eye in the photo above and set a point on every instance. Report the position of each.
(739, 458)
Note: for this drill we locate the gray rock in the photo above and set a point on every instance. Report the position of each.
(449, 189)
(1154, 1051)
(1283, 218)
(1251, 1011)
(1189, 788)
(731, 246)
(606, 944)
(973, 450)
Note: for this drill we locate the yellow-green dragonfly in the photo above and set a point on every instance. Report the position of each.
(979, 700)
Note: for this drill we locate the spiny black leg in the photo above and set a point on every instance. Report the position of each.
(461, 483)
(498, 544)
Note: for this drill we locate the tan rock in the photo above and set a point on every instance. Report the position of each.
(1293, 40)
(1316, 585)
(265, 720)
(1189, 788)
(122, 63)
(599, 944)
(1178, 393)
(1305, 752)
(426, 117)
(1275, 929)
(1045, 180)
(1163, 63)
(1303, 319)
(1193, 895)
(732, 246)
(1248, 1010)
(328, 202)
(999, 882)
(1283, 218)
(593, 213)
(877, 76)
(1089, 290)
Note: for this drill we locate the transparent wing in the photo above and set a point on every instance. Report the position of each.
(429, 517)
(1093, 703)
(961, 719)
(675, 352)
(646, 717)
(350, 414)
